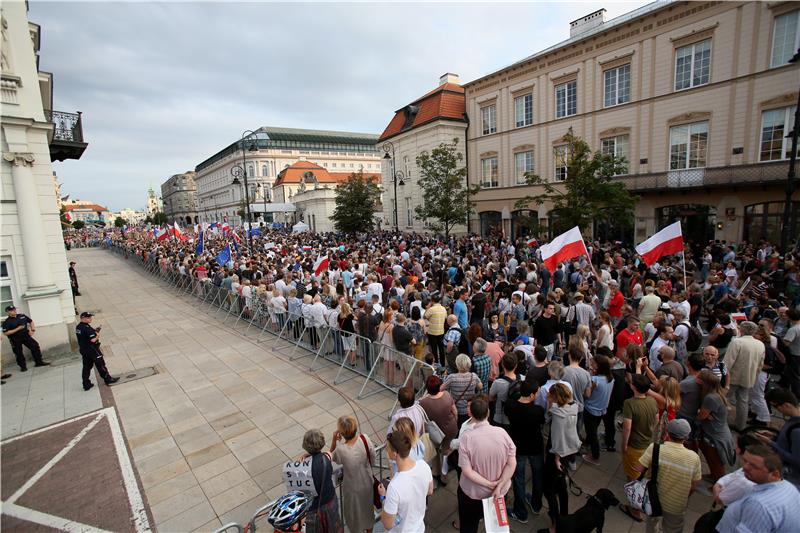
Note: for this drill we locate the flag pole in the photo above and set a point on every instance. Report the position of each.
(683, 255)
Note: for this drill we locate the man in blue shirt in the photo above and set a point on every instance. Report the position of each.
(460, 310)
(774, 503)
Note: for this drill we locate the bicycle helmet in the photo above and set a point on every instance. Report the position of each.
(289, 509)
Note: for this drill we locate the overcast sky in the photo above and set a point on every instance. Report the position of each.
(163, 86)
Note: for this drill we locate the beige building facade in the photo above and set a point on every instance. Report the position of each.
(179, 198)
(276, 149)
(697, 96)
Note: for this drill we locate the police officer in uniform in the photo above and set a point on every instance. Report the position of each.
(73, 279)
(18, 328)
(89, 346)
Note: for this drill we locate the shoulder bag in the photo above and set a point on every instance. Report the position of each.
(642, 493)
(432, 429)
(376, 496)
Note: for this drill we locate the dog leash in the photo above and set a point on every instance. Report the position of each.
(571, 485)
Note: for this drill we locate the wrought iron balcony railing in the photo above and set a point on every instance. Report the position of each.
(731, 176)
(68, 126)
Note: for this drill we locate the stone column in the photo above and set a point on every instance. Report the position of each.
(34, 245)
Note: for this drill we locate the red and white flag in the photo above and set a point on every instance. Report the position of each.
(176, 231)
(666, 242)
(532, 243)
(563, 248)
(160, 234)
(321, 264)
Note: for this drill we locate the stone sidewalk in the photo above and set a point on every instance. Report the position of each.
(209, 432)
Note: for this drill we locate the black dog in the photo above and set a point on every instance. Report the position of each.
(589, 517)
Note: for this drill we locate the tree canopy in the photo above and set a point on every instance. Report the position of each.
(355, 203)
(446, 196)
(588, 194)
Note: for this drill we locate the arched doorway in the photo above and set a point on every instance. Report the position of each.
(764, 221)
(697, 220)
(491, 223)
(188, 219)
(524, 222)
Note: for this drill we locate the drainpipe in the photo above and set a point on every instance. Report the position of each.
(466, 160)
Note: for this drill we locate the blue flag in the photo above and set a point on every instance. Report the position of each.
(255, 232)
(224, 256)
(200, 246)
(235, 247)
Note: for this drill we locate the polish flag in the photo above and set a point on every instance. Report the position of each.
(161, 234)
(321, 264)
(563, 248)
(236, 237)
(532, 243)
(177, 231)
(666, 242)
(225, 227)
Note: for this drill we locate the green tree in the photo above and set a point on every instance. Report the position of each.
(446, 196)
(79, 224)
(148, 219)
(355, 203)
(588, 194)
(160, 218)
(119, 222)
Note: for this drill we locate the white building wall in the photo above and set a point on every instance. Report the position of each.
(407, 146)
(31, 241)
(317, 206)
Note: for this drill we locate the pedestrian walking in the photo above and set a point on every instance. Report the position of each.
(89, 347)
(19, 329)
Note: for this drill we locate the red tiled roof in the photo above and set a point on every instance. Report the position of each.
(444, 102)
(84, 207)
(295, 172)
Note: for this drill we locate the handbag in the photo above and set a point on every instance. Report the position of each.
(432, 429)
(376, 496)
(642, 493)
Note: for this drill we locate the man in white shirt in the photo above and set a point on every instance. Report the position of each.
(664, 336)
(404, 501)
(374, 288)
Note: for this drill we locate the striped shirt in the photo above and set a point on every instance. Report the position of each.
(435, 315)
(770, 507)
(462, 388)
(677, 468)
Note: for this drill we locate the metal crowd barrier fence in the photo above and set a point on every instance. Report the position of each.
(345, 349)
(394, 369)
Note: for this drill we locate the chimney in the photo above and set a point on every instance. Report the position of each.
(584, 24)
(448, 77)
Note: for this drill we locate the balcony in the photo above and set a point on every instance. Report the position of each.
(734, 176)
(66, 140)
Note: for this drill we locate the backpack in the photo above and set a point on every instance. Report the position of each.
(571, 326)
(514, 390)
(695, 338)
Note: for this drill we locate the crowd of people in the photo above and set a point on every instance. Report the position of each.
(694, 356)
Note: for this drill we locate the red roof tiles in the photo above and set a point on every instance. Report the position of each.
(296, 172)
(444, 102)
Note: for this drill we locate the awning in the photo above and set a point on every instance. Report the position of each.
(272, 207)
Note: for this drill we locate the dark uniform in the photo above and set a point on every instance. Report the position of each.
(92, 355)
(22, 338)
(73, 280)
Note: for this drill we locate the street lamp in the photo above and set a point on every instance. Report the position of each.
(397, 177)
(790, 177)
(241, 171)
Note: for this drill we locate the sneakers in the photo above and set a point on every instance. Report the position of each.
(512, 515)
(591, 460)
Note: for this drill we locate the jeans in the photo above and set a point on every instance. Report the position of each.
(591, 423)
(437, 349)
(757, 401)
(518, 482)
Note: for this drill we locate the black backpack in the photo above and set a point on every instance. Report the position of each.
(514, 389)
(694, 339)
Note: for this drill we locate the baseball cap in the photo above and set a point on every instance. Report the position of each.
(10, 308)
(679, 428)
(86, 314)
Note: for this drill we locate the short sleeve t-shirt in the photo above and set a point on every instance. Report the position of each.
(526, 420)
(792, 338)
(579, 379)
(500, 390)
(690, 398)
(642, 413)
(597, 403)
(406, 496)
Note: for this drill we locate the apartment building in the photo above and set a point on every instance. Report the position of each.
(697, 96)
(179, 198)
(276, 149)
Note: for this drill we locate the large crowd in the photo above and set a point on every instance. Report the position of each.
(694, 356)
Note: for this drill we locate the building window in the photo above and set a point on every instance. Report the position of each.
(617, 83)
(490, 172)
(523, 162)
(566, 99)
(688, 146)
(264, 170)
(785, 38)
(489, 119)
(618, 147)
(409, 219)
(523, 110)
(250, 171)
(693, 65)
(6, 295)
(561, 162)
(406, 166)
(775, 125)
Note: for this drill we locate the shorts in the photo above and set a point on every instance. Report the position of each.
(630, 460)
(349, 342)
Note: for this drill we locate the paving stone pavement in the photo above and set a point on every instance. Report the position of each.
(208, 433)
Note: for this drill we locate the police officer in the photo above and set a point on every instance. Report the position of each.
(18, 328)
(89, 346)
(73, 279)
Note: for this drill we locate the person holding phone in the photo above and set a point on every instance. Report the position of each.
(89, 347)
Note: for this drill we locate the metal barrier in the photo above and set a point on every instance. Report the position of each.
(395, 365)
(345, 349)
